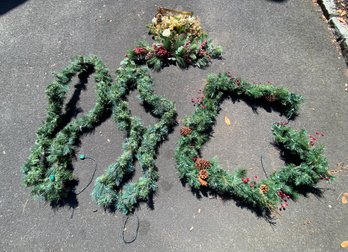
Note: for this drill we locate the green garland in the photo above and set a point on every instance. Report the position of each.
(141, 144)
(267, 193)
(48, 169)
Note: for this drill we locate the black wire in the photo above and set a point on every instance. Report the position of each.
(124, 229)
(263, 167)
(90, 181)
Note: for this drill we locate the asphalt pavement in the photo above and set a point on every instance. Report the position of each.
(284, 42)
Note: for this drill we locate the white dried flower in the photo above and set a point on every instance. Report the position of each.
(166, 33)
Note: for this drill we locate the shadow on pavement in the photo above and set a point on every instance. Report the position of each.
(7, 5)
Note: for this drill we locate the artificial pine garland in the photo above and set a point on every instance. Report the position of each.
(141, 144)
(48, 169)
(265, 194)
(180, 40)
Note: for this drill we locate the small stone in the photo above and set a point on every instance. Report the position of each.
(191, 228)
(4, 152)
(199, 210)
(108, 140)
(330, 206)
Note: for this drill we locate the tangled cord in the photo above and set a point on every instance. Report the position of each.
(136, 230)
(83, 157)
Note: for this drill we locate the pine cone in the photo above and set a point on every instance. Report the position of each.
(203, 174)
(270, 98)
(263, 188)
(201, 164)
(184, 131)
(202, 182)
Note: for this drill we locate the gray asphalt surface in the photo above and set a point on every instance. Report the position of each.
(285, 42)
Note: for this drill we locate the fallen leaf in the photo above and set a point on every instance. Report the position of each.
(344, 200)
(227, 121)
(345, 194)
(344, 244)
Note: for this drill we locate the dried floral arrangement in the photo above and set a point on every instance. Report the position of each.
(179, 40)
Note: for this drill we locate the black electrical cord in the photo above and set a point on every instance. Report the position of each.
(263, 167)
(83, 157)
(124, 229)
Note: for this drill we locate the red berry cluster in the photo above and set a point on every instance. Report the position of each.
(252, 183)
(198, 101)
(160, 51)
(140, 51)
(284, 198)
(313, 138)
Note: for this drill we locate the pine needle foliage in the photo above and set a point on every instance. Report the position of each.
(141, 144)
(289, 179)
(48, 169)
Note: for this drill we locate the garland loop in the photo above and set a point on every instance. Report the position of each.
(179, 40)
(267, 193)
